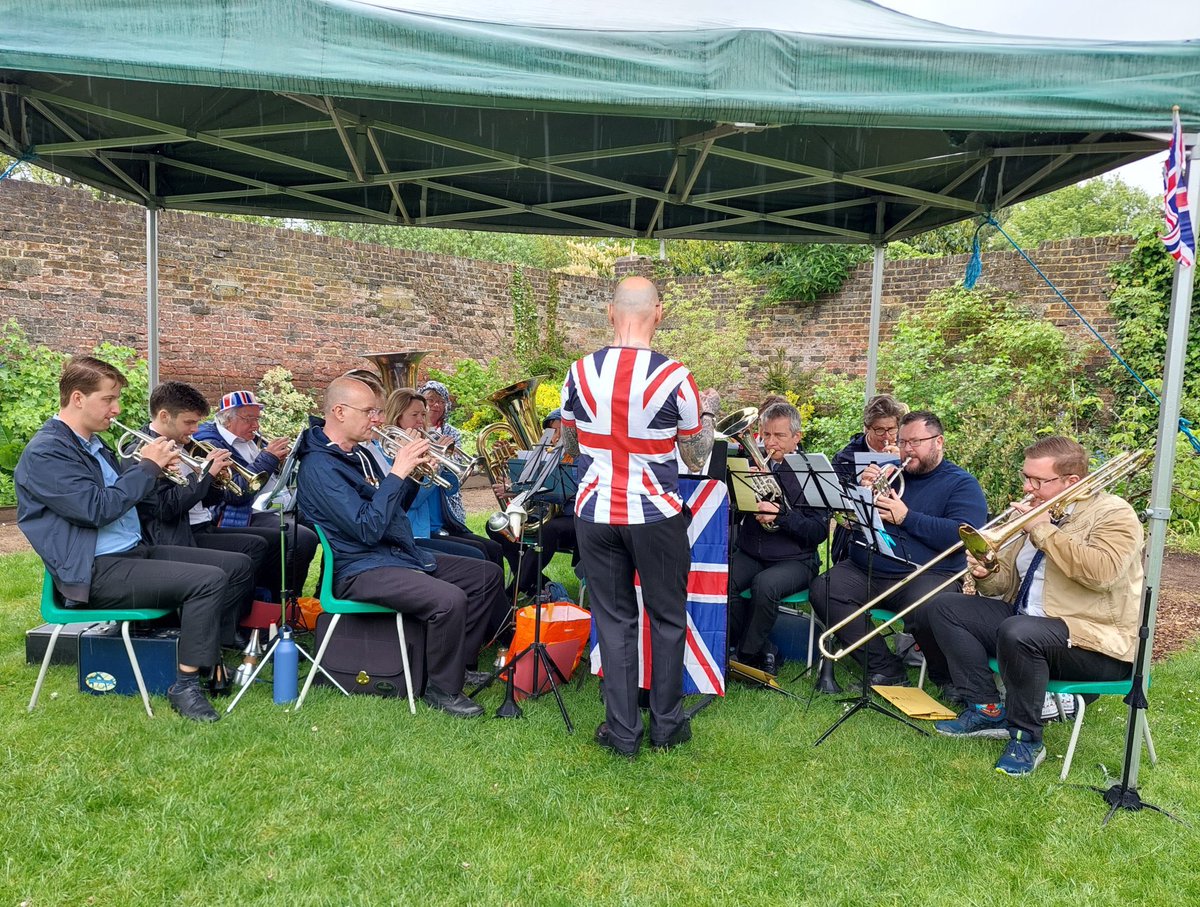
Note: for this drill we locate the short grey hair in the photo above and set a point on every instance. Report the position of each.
(781, 411)
(225, 416)
(883, 406)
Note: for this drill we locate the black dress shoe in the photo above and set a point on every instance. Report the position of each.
(455, 704)
(188, 700)
(682, 735)
(604, 738)
(888, 680)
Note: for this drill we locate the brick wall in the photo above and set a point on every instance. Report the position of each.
(236, 299)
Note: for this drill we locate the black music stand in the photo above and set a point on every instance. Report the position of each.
(549, 484)
(866, 517)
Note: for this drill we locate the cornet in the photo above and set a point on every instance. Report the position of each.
(392, 439)
(254, 480)
(888, 475)
(130, 444)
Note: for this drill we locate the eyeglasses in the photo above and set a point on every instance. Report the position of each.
(915, 442)
(373, 412)
(1036, 483)
(883, 432)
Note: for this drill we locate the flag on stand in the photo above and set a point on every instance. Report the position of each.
(1180, 238)
(707, 594)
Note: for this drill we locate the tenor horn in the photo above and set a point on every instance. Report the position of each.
(736, 427)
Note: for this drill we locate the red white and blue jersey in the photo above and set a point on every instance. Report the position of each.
(628, 406)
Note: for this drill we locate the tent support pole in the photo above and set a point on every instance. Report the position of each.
(876, 310)
(152, 294)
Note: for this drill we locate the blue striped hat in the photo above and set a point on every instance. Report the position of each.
(234, 399)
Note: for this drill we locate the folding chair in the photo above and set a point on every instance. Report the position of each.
(54, 613)
(331, 604)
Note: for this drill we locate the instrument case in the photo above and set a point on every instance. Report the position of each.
(66, 650)
(364, 654)
(104, 666)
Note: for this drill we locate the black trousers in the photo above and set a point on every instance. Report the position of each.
(489, 548)
(842, 590)
(245, 543)
(768, 581)
(558, 534)
(455, 602)
(1030, 650)
(205, 586)
(660, 554)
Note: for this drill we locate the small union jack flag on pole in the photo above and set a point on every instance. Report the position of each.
(1180, 239)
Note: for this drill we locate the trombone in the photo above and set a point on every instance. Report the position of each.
(130, 444)
(985, 544)
(392, 439)
(254, 480)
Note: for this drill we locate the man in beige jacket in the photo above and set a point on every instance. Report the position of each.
(1063, 604)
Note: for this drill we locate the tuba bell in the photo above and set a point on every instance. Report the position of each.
(398, 369)
(499, 442)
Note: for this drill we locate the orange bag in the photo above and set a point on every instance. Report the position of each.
(565, 631)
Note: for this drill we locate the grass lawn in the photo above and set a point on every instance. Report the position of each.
(354, 801)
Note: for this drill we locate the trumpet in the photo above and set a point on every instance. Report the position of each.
(130, 444)
(449, 449)
(985, 544)
(888, 474)
(393, 439)
(254, 480)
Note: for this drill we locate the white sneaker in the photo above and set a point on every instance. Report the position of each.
(1050, 708)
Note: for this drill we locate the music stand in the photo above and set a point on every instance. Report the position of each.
(549, 484)
(876, 539)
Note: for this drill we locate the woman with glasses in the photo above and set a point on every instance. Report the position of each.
(881, 426)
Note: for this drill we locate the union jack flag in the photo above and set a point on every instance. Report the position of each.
(708, 585)
(1179, 239)
(628, 406)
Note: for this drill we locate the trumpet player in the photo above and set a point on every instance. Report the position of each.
(939, 496)
(376, 558)
(1064, 603)
(77, 506)
(179, 514)
(772, 564)
(235, 428)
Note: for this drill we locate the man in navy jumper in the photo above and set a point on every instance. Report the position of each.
(375, 557)
(776, 553)
(938, 497)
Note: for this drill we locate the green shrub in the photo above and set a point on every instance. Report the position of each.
(286, 409)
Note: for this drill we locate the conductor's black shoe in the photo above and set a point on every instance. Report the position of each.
(188, 700)
(605, 740)
(455, 704)
(475, 678)
(682, 735)
(888, 680)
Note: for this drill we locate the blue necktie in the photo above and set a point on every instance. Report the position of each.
(1022, 598)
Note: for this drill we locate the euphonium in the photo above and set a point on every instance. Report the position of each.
(736, 426)
(130, 444)
(254, 480)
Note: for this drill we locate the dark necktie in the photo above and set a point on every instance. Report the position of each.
(1022, 598)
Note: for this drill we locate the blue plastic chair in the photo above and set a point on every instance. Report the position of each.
(1079, 689)
(54, 613)
(331, 604)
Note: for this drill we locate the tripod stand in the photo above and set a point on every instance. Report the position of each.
(536, 652)
(874, 536)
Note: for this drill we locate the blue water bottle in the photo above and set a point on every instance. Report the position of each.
(287, 667)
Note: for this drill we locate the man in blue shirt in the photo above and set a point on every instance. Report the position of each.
(78, 510)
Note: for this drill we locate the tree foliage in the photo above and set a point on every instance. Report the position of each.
(1094, 208)
(713, 341)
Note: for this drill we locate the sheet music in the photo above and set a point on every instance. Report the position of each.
(869, 523)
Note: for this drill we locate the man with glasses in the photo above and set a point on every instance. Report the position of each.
(938, 497)
(881, 426)
(235, 429)
(1063, 604)
(375, 557)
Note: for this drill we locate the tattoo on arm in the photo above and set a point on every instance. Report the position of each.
(695, 450)
(570, 440)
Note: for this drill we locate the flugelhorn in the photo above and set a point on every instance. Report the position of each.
(254, 480)
(736, 426)
(986, 543)
(130, 444)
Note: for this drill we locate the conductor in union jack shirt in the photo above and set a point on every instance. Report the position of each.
(625, 411)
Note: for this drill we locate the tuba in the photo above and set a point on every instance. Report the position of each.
(398, 369)
(499, 442)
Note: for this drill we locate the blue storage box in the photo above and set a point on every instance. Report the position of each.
(790, 634)
(104, 665)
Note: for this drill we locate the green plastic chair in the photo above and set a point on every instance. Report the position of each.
(1080, 689)
(331, 604)
(796, 598)
(54, 613)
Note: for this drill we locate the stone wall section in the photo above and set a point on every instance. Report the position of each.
(236, 299)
